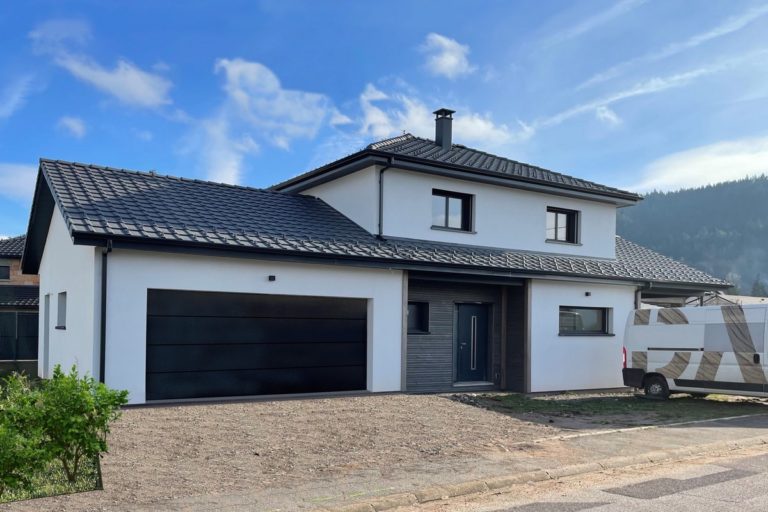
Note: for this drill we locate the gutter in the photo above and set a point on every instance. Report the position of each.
(390, 163)
(103, 334)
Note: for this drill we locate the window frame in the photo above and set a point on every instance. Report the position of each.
(61, 311)
(467, 210)
(572, 231)
(9, 273)
(606, 330)
(423, 306)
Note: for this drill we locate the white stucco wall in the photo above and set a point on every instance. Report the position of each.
(73, 269)
(575, 362)
(355, 195)
(503, 217)
(132, 273)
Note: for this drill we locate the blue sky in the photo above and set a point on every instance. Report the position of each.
(639, 94)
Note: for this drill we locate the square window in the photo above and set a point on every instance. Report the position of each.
(61, 314)
(418, 318)
(451, 210)
(562, 225)
(5, 272)
(584, 321)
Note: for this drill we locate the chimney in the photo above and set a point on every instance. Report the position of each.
(443, 121)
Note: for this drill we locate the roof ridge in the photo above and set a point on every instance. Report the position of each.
(390, 140)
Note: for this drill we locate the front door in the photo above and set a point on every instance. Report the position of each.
(472, 343)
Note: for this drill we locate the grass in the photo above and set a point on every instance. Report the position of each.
(51, 481)
(623, 409)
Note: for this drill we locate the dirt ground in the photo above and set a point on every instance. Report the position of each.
(164, 452)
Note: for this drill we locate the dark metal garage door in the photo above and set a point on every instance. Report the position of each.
(204, 344)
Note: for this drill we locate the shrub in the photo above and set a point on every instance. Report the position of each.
(74, 416)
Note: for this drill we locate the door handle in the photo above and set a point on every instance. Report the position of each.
(756, 358)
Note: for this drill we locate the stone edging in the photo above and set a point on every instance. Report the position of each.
(443, 492)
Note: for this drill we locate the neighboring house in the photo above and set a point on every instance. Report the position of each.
(412, 265)
(18, 310)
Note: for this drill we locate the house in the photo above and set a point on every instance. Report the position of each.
(18, 311)
(412, 265)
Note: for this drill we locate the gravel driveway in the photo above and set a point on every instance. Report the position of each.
(163, 452)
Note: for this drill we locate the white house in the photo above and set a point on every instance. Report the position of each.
(412, 265)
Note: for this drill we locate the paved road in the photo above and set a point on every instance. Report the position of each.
(737, 482)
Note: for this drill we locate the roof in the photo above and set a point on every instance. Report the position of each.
(129, 207)
(470, 162)
(19, 296)
(12, 247)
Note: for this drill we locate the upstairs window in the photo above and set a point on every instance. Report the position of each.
(451, 210)
(5, 272)
(562, 225)
(61, 313)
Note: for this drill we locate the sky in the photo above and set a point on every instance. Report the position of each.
(638, 94)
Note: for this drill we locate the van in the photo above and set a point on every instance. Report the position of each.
(697, 350)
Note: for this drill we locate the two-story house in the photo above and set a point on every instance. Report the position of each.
(411, 265)
(18, 310)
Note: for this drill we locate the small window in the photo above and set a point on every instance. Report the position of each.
(5, 272)
(61, 315)
(562, 225)
(584, 321)
(418, 318)
(451, 210)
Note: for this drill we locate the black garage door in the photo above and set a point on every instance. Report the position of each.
(204, 344)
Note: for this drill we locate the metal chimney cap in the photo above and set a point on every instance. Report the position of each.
(444, 112)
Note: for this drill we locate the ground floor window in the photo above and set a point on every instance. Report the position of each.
(577, 320)
(418, 318)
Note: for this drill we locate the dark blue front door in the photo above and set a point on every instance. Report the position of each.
(472, 343)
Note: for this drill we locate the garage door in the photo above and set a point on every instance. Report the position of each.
(203, 344)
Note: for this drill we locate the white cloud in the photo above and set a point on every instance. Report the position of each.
(14, 95)
(73, 125)
(591, 23)
(17, 181)
(704, 165)
(125, 81)
(446, 56)
(223, 154)
(607, 116)
(730, 25)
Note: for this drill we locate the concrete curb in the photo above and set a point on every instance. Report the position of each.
(444, 492)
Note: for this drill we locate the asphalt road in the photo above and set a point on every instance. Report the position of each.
(737, 482)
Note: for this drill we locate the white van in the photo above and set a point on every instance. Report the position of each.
(698, 350)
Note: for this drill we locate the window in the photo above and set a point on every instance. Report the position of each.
(418, 317)
(562, 225)
(61, 314)
(584, 321)
(451, 210)
(5, 272)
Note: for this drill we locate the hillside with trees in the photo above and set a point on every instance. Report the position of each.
(721, 229)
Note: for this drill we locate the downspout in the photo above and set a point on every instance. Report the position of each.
(390, 163)
(103, 334)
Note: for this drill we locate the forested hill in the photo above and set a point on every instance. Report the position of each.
(721, 229)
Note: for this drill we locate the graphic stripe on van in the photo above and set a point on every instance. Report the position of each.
(672, 316)
(640, 360)
(642, 317)
(710, 362)
(743, 347)
(676, 366)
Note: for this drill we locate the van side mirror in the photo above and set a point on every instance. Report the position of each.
(756, 358)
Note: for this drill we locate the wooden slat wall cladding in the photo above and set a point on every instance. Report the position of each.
(205, 344)
(517, 351)
(430, 359)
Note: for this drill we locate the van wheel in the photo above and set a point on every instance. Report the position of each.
(656, 387)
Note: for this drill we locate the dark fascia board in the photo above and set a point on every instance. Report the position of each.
(368, 157)
(40, 215)
(203, 249)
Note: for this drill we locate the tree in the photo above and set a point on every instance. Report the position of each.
(758, 288)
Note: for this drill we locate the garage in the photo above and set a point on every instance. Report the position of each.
(211, 344)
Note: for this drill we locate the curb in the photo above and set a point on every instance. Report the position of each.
(444, 492)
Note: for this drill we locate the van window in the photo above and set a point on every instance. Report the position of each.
(577, 320)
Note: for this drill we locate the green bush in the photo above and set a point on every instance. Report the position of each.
(75, 414)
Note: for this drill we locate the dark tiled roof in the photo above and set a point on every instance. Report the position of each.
(19, 296)
(128, 205)
(426, 149)
(12, 247)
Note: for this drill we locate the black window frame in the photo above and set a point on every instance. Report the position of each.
(571, 225)
(467, 207)
(606, 328)
(422, 320)
(5, 276)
